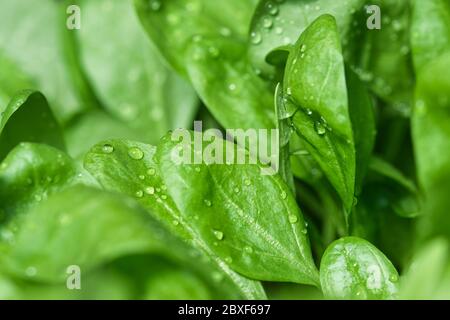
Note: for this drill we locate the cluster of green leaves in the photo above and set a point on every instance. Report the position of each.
(358, 209)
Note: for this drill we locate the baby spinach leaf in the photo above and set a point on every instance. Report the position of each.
(112, 226)
(337, 126)
(429, 273)
(430, 30)
(173, 25)
(202, 39)
(353, 268)
(130, 168)
(33, 38)
(129, 76)
(280, 23)
(284, 126)
(430, 121)
(373, 54)
(28, 118)
(249, 219)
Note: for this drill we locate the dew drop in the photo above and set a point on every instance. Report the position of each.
(393, 278)
(214, 52)
(141, 177)
(218, 234)
(164, 197)
(228, 260)
(135, 153)
(151, 172)
(256, 38)
(207, 203)
(155, 5)
(272, 8)
(278, 30)
(150, 190)
(31, 271)
(175, 222)
(320, 128)
(293, 218)
(267, 22)
(283, 195)
(236, 190)
(248, 249)
(224, 31)
(247, 182)
(289, 91)
(197, 169)
(158, 189)
(139, 194)
(107, 148)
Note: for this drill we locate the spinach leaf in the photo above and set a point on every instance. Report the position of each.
(353, 268)
(28, 118)
(430, 30)
(127, 73)
(372, 54)
(202, 39)
(130, 168)
(430, 121)
(429, 273)
(338, 128)
(35, 39)
(113, 226)
(248, 219)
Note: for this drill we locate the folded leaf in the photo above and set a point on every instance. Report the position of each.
(28, 118)
(335, 122)
(353, 268)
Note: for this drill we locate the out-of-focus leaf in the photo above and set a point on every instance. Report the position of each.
(429, 274)
(112, 226)
(337, 126)
(202, 39)
(353, 268)
(430, 30)
(431, 121)
(130, 168)
(129, 76)
(33, 38)
(28, 118)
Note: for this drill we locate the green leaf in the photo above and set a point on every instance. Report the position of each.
(404, 197)
(202, 39)
(353, 268)
(430, 121)
(249, 219)
(284, 125)
(113, 226)
(430, 30)
(173, 25)
(33, 38)
(282, 22)
(429, 273)
(28, 118)
(129, 76)
(373, 54)
(336, 122)
(130, 168)
(28, 175)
